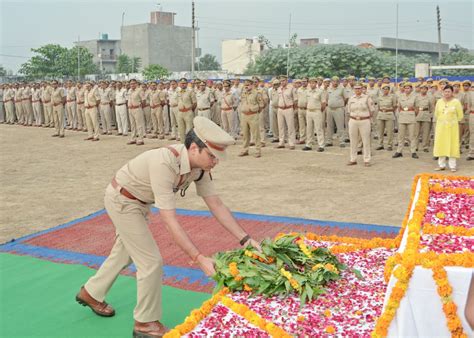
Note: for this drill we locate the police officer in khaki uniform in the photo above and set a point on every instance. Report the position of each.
(145, 96)
(154, 177)
(47, 105)
(186, 105)
(406, 120)
(71, 105)
(227, 102)
(286, 113)
(335, 112)
(106, 102)
(274, 109)
(80, 107)
(265, 114)
(387, 104)
(360, 108)
(26, 103)
(205, 100)
(302, 98)
(173, 106)
(424, 109)
(251, 104)
(374, 92)
(315, 105)
(121, 109)
(91, 113)
(58, 98)
(8, 101)
(36, 103)
(136, 114)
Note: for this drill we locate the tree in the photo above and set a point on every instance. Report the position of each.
(208, 62)
(56, 61)
(127, 64)
(457, 56)
(155, 72)
(3, 71)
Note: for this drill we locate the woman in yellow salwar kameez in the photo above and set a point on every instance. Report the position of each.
(448, 113)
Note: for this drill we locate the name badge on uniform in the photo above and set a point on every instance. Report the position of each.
(405, 109)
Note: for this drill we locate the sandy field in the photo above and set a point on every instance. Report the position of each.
(46, 181)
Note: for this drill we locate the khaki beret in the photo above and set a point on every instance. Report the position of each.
(227, 83)
(385, 76)
(385, 86)
(424, 85)
(408, 84)
(371, 78)
(466, 82)
(297, 81)
(406, 79)
(213, 136)
(429, 80)
(457, 83)
(313, 79)
(275, 81)
(358, 85)
(351, 77)
(443, 80)
(327, 80)
(335, 78)
(320, 78)
(183, 80)
(283, 77)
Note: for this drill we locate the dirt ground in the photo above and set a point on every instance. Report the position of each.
(46, 181)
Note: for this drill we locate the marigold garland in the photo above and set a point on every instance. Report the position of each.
(447, 229)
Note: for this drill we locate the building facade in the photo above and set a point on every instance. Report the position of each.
(238, 53)
(413, 47)
(105, 52)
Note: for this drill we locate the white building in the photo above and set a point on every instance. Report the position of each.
(236, 54)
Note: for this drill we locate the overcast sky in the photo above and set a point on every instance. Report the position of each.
(32, 23)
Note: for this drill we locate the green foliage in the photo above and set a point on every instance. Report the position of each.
(340, 60)
(207, 62)
(457, 56)
(3, 71)
(284, 266)
(155, 72)
(56, 61)
(127, 64)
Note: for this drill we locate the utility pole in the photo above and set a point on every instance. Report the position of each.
(439, 34)
(78, 58)
(396, 49)
(289, 46)
(193, 51)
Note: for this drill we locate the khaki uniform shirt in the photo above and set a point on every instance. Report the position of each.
(251, 102)
(274, 98)
(26, 94)
(186, 99)
(8, 95)
(302, 95)
(18, 95)
(360, 106)
(80, 95)
(57, 95)
(71, 94)
(336, 97)
(264, 92)
(374, 93)
(156, 175)
(407, 108)
(135, 98)
(173, 97)
(315, 98)
(92, 98)
(36, 95)
(121, 96)
(424, 108)
(106, 95)
(205, 98)
(227, 100)
(47, 91)
(286, 97)
(387, 102)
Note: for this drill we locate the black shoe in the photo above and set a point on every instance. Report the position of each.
(379, 148)
(396, 155)
(376, 137)
(426, 150)
(435, 158)
(275, 141)
(347, 140)
(342, 145)
(307, 148)
(414, 155)
(320, 150)
(328, 144)
(389, 148)
(359, 152)
(469, 158)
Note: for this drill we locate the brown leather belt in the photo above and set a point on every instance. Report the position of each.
(89, 107)
(145, 105)
(35, 101)
(153, 107)
(407, 110)
(201, 109)
(25, 99)
(71, 101)
(184, 110)
(227, 109)
(57, 104)
(133, 107)
(47, 101)
(386, 110)
(124, 191)
(120, 104)
(8, 100)
(285, 107)
(314, 110)
(249, 112)
(472, 112)
(423, 109)
(105, 103)
(174, 105)
(80, 102)
(359, 118)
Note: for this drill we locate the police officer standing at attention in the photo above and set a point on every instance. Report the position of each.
(186, 105)
(406, 120)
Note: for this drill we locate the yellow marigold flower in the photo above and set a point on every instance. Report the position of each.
(304, 248)
(294, 284)
(247, 288)
(280, 235)
(248, 253)
(331, 268)
(440, 215)
(300, 318)
(330, 329)
(238, 278)
(327, 313)
(317, 266)
(358, 313)
(173, 334)
(285, 273)
(234, 271)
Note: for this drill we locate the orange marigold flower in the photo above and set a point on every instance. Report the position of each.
(327, 313)
(300, 318)
(330, 329)
(247, 288)
(450, 308)
(440, 215)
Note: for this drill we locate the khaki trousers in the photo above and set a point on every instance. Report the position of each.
(185, 123)
(236, 121)
(275, 130)
(106, 117)
(58, 118)
(204, 113)
(359, 129)
(226, 118)
(404, 129)
(133, 243)
(216, 113)
(137, 124)
(48, 114)
(154, 121)
(314, 123)
(9, 110)
(262, 117)
(174, 122)
(423, 129)
(302, 123)
(471, 135)
(147, 115)
(166, 119)
(385, 126)
(37, 113)
(122, 119)
(28, 112)
(335, 119)
(286, 116)
(19, 112)
(249, 126)
(71, 114)
(81, 116)
(92, 122)
(157, 115)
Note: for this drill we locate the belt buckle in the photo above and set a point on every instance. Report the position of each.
(358, 118)
(405, 109)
